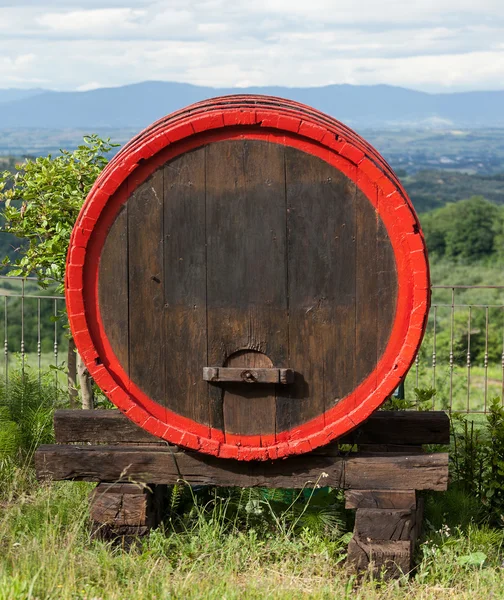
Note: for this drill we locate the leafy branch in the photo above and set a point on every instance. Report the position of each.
(42, 200)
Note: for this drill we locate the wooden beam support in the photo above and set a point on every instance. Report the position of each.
(391, 559)
(405, 499)
(379, 485)
(409, 428)
(403, 428)
(155, 464)
(123, 512)
(387, 525)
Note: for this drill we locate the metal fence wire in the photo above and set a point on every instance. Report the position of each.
(34, 326)
(462, 354)
(461, 358)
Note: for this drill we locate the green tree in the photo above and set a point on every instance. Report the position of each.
(42, 200)
(434, 225)
(467, 230)
(472, 231)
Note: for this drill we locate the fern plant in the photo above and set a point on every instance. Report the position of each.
(27, 406)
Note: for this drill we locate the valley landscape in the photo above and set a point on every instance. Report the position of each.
(448, 150)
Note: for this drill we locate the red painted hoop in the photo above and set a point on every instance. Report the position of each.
(277, 121)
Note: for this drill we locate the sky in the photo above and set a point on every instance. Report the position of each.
(428, 45)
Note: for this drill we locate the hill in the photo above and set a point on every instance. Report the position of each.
(14, 94)
(139, 104)
(433, 189)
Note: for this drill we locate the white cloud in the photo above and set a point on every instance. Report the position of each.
(90, 20)
(373, 11)
(81, 44)
(212, 27)
(86, 87)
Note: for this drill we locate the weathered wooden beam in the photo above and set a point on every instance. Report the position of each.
(401, 427)
(380, 499)
(156, 464)
(99, 427)
(119, 505)
(390, 559)
(387, 525)
(123, 512)
(407, 428)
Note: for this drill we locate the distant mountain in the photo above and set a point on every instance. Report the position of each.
(13, 94)
(359, 106)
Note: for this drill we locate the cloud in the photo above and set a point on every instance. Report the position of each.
(86, 87)
(91, 21)
(429, 44)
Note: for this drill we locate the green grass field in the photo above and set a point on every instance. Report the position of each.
(47, 554)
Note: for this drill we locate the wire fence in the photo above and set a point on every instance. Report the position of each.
(34, 326)
(462, 354)
(461, 358)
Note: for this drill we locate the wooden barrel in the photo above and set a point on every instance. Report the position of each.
(247, 278)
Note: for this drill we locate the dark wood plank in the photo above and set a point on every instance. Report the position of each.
(321, 278)
(401, 427)
(119, 505)
(162, 465)
(366, 275)
(121, 513)
(405, 499)
(397, 448)
(113, 289)
(246, 296)
(417, 472)
(146, 287)
(386, 559)
(248, 373)
(98, 427)
(243, 402)
(185, 285)
(380, 528)
(385, 524)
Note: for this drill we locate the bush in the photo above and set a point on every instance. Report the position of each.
(478, 459)
(27, 405)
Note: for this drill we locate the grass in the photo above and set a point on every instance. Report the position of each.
(217, 543)
(46, 553)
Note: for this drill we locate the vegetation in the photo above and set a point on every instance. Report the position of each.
(27, 406)
(471, 231)
(431, 189)
(47, 554)
(42, 201)
(234, 543)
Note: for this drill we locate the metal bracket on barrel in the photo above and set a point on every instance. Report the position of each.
(247, 375)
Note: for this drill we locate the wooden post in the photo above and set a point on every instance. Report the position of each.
(124, 512)
(387, 525)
